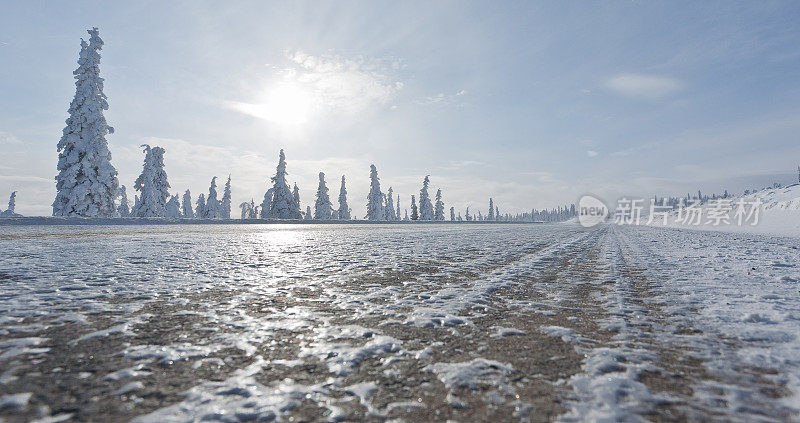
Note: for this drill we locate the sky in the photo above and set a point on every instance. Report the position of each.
(531, 103)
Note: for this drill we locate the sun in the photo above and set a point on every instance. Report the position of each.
(285, 103)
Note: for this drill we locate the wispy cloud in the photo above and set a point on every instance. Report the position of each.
(591, 153)
(443, 98)
(7, 138)
(644, 86)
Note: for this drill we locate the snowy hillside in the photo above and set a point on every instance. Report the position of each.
(779, 213)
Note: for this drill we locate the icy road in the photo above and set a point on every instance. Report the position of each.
(411, 322)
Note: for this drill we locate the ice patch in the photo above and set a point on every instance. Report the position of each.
(15, 401)
(166, 354)
(129, 387)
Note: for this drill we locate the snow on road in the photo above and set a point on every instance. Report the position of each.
(508, 322)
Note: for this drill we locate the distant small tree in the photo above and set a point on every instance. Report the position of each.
(212, 210)
(344, 208)
(225, 205)
(12, 203)
(173, 207)
(152, 184)
(322, 207)
(200, 209)
(246, 208)
(308, 216)
(375, 196)
(452, 213)
(296, 194)
(123, 210)
(438, 213)
(283, 205)
(414, 213)
(398, 207)
(467, 215)
(425, 205)
(389, 209)
(187, 205)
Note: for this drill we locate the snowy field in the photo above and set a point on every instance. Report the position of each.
(419, 323)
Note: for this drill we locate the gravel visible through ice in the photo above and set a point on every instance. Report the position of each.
(489, 322)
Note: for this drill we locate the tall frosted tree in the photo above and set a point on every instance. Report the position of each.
(322, 207)
(390, 213)
(452, 214)
(438, 212)
(344, 208)
(212, 210)
(86, 184)
(152, 184)
(425, 205)
(414, 212)
(282, 205)
(375, 196)
(124, 209)
(187, 205)
(491, 209)
(200, 209)
(225, 204)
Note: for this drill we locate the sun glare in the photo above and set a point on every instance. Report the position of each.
(286, 103)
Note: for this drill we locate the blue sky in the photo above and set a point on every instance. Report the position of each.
(532, 103)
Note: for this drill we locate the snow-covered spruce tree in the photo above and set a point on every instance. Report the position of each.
(425, 205)
(398, 208)
(266, 205)
(496, 213)
(12, 205)
(375, 196)
(253, 210)
(459, 217)
(152, 184)
(390, 205)
(225, 204)
(308, 215)
(135, 205)
(296, 194)
(406, 216)
(414, 213)
(344, 209)
(467, 215)
(200, 209)
(173, 207)
(187, 205)
(283, 205)
(12, 202)
(491, 209)
(322, 207)
(452, 214)
(123, 210)
(86, 184)
(212, 210)
(246, 210)
(438, 212)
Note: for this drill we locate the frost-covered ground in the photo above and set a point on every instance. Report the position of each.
(369, 322)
